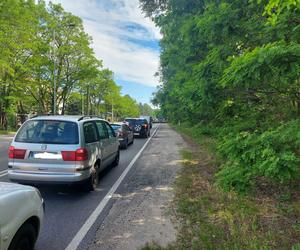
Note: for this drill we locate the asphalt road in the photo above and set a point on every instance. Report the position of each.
(67, 208)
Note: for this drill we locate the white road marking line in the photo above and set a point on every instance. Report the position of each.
(93, 217)
(3, 174)
(3, 171)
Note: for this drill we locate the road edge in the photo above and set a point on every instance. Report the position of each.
(75, 242)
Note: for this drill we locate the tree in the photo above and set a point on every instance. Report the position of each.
(275, 8)
(145, 109)
(44, 50)
(18, 28)
(127, 107)
(233, 67)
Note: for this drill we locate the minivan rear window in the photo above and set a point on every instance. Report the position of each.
(136, 121)
(49, 132)
(115, 126)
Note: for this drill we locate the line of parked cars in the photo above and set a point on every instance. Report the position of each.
(57, 150)
(130, 128)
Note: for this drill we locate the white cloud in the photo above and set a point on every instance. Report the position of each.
(113, 25)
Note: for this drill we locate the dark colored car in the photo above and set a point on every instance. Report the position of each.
(124, 134)
(139, 126)
(148, 118)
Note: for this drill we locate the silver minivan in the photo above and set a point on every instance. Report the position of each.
(62, 150)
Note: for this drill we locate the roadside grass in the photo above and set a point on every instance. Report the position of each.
(210, 218)
(155, 246)
(7, 132)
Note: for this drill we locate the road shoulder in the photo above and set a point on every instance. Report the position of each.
(140, 210)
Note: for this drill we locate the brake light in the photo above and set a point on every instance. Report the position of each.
(120, 133)
(80, 154)
(68, 155)
(145, 125)
(14, 153)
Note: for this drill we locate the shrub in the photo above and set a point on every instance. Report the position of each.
(273, 154)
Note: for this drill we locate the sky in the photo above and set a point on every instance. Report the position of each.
(126, 42)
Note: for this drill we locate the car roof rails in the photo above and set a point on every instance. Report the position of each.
(39, 115)
(88, 116)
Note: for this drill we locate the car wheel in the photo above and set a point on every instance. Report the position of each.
(92, 182)
(24, 239)
(117, 159)
(132, 140)
(126, 144)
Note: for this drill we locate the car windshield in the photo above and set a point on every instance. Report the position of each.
(115, 126)
(48, 131)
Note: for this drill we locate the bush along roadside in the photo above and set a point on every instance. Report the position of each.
(252, 156)
(222, 209)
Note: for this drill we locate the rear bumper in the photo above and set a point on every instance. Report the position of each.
(48, 178)
(122, 142)
(141, 133)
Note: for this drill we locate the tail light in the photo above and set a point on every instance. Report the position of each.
(80, 154)
(120, 133)
(145, 126)
(14, 153)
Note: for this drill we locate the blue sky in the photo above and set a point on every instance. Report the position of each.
(141, 93)
(124, 39)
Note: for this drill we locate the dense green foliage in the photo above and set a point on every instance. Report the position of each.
(233, 68)
(146, 109)
(40, 44)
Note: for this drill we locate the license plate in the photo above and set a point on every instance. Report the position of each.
(136, 133)
(46, 155)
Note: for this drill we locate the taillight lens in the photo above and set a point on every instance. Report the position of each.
(11, 152)
(80, 154)
(14, 153)
(120, 133)
(68, 155)
(145, 125)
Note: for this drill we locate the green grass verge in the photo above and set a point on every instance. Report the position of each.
(210, 218)
(7, 132)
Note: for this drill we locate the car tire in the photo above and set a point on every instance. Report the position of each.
(25, 238)
(116, 160)
(92, 182)
(132, 140)
(126, 144)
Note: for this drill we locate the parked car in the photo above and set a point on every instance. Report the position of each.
(139, 126)
(148, 118)
(162, 120)
(62, 150)
(21, 216)
(155, 120)
(124, 134)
